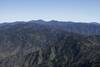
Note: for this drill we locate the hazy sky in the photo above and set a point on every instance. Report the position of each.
(66, 10)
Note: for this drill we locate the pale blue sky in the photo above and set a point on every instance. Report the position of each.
(65, 10)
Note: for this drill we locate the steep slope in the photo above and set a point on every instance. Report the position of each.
(41, 44)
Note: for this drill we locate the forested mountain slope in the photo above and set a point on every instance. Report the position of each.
(49, 44)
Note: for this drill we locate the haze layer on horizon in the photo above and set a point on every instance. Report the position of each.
(64, 10)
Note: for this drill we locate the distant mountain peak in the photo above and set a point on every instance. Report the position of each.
(94, 23)
(53, 21)
(39, 21)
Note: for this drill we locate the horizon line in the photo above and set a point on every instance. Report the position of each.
(47, 21)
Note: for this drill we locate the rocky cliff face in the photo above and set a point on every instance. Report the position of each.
(46, 45)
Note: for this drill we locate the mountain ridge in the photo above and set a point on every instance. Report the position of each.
(45, 44)
(83, 28)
